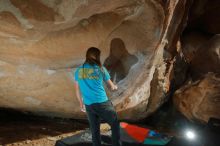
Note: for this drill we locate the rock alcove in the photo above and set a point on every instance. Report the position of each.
(150, 47)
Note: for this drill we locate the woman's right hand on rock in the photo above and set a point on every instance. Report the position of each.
(82, 107)
(115, 87)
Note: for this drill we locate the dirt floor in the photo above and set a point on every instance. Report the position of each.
(17, 129)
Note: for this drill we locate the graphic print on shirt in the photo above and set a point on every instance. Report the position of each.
(88, 73)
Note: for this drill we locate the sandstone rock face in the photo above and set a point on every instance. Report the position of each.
(42, 43)
(200, 100)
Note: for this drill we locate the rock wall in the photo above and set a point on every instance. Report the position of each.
(42, 43)
(199, 98)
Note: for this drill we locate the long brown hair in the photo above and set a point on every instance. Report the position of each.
(93, 56)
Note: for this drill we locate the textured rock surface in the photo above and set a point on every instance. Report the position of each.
(200, 100)
(42, 42)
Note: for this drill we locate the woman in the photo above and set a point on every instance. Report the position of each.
(89, 82)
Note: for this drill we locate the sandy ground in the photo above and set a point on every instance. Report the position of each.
(46, 141)
(17, 129)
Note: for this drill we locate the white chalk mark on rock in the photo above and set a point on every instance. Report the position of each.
(2, 74)
(32, 100)
(5, 5)
(50, 72)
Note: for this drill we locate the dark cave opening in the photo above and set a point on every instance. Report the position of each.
(119, 61)
(200, 38)
(198, 56)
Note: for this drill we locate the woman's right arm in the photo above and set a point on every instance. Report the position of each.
(112, 85)
(108, 80)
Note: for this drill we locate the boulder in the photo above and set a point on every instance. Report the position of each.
(200, 100)
(42, 43)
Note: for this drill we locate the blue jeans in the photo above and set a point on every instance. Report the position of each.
(104, 111)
